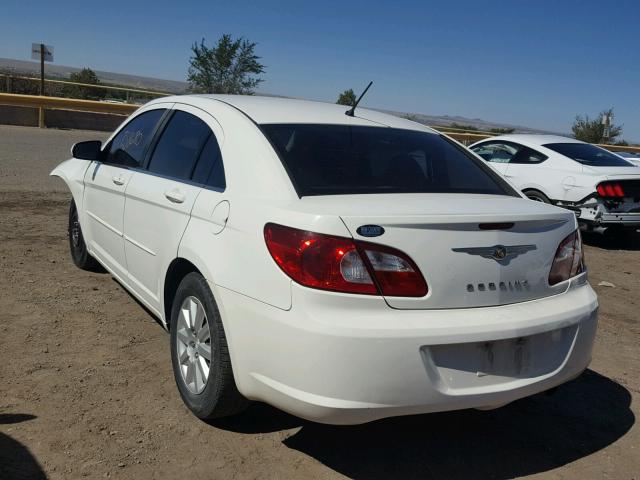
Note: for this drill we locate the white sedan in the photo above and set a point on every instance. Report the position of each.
(341, 268)
(602, 188)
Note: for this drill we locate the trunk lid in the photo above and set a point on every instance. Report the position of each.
(456, 243)
(631, 171)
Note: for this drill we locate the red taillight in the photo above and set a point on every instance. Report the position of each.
(569, 259)
(610, 190)
(342, 265)
(394, 271)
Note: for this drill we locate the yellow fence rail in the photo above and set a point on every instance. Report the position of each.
(60, 103)
(43, 102)
(98, 86)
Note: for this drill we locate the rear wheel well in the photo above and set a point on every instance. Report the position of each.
(539, 192)
(177, 270)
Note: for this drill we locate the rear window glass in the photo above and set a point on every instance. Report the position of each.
(588, 154)
(343, 159)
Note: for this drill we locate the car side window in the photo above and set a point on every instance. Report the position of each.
(179, 146)
(496, 152)
(129, 145)
(528, 156)
(503, 152)
(209, 170)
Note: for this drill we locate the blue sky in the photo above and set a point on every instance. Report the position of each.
(530, 63)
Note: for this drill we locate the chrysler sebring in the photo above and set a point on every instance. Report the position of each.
(343, 268)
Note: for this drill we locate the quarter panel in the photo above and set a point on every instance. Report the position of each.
(236, 257)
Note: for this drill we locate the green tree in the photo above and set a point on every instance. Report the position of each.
(229, 67)
(348, 97)
(88, 77)
(411, 116)
(502, 131)
(462, 126)
(592, 130)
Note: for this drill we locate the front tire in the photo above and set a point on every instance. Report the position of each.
(78, 249)
(199, 352)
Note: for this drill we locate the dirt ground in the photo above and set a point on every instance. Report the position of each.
(86, 388)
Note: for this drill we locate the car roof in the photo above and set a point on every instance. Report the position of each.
(264, 110)
(533, 139)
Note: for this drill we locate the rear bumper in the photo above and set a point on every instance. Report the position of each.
(598, 214)
(343, 359)
(624, 219)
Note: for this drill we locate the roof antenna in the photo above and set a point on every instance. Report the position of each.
(352, 110)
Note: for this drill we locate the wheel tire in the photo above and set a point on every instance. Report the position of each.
(536, 196)
(217, 396)
(78, 249)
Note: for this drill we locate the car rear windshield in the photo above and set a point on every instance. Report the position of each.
(588, 154)
(343, 159)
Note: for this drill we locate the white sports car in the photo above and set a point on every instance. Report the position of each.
(342, 268)
(602, 188)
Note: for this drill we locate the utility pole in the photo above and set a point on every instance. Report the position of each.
(42, 69)
(606, 121)
(44, 53)
(41, 110)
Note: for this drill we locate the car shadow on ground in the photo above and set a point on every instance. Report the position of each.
(16, 462)
(625, 240)
(530, 436)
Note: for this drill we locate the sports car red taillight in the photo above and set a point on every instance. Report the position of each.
(610, 190)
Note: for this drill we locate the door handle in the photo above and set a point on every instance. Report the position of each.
(118, 180)
(174, 196)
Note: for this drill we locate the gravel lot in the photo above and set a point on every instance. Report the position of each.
(86, 388)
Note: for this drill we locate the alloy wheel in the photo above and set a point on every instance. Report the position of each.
(193, 345)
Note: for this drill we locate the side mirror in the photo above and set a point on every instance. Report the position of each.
(87, 150)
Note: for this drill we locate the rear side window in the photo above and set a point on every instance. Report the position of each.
(527, 156)
(128, 147)
(209, 170)
(180, 145)
(588, 154)
(343, 159)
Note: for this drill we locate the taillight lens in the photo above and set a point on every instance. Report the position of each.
(569, 259)
(395, 272)
(610, 190)
(343, 265)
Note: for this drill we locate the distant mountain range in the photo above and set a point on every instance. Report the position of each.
(446, 120)
(173, 86)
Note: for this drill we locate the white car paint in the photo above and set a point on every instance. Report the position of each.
(567, 182)
(338, 357)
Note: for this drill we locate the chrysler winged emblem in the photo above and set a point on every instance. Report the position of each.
(500, 253)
